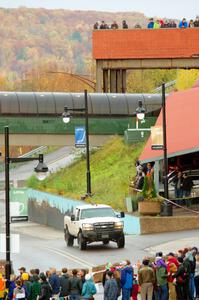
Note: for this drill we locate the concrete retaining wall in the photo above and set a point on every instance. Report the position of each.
(168, 224)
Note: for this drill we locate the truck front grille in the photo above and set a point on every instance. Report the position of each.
(103, 228)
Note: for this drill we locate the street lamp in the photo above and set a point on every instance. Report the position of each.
(164, 128)
(41, 170)
(140, 111)
(66, 119)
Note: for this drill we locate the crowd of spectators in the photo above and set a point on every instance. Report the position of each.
(152, 24)
(170, 277)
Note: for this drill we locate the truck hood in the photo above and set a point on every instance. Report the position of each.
(100, 220)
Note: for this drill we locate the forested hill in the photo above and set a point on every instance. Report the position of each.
(31, 38)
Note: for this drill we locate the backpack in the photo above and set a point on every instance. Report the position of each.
(20, 293)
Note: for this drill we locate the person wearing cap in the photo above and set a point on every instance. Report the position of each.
(172, 266)
(127, 280)
(89, 288)
(46, 291)
(146, 278)
(21, 271)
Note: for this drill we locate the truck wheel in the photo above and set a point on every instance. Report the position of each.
(81, 242)
(68, 238)
(121, 242)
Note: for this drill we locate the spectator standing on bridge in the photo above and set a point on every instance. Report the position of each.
(146, 280)
(64, 283)
(196, 22)
(191, 24)
(156, 24)
(124, 24)
(150, 24)
(75, 286)
(183, 23)
(89, 288)
(103, 25)
(172, 24)
(54, 281)
(114, 25)
(127, 280)
(110, 288)
(96, 26)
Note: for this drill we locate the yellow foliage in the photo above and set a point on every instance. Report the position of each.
(186, 79)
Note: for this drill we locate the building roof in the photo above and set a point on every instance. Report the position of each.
(182, 110)
(145, 43)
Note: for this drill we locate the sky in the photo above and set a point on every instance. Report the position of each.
(169, 8)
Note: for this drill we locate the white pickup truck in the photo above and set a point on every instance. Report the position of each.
(93, 223)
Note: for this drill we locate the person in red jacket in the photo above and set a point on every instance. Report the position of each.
(135, 288)
(172, 266)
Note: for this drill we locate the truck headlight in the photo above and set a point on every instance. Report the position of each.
(87, 227)
(119, 225)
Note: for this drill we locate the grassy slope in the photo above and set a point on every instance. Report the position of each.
(111, 167)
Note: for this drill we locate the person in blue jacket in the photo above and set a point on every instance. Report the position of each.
(183, 23)
(150, 24)
(127, 280)
(89, 288)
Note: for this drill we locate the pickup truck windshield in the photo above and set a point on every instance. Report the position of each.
(97, 212)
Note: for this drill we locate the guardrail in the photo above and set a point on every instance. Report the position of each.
(34, 151)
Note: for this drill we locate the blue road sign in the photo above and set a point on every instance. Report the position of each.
(80, 136)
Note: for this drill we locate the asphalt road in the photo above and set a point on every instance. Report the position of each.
(54, 161)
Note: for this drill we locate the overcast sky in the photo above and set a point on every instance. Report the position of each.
(166, 8)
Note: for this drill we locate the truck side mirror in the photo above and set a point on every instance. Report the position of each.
(72, 217)
(122, 214)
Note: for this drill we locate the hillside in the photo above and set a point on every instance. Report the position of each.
(31, 38)
(111, 169)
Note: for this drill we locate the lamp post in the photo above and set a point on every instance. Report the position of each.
(66, 119)
(40, 169)
(164, 128)
(140, 113)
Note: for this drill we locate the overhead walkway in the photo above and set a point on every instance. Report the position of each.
(35, 118)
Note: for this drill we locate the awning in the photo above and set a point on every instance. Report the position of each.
(182, 114)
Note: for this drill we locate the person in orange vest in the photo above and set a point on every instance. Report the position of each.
(2, 286)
